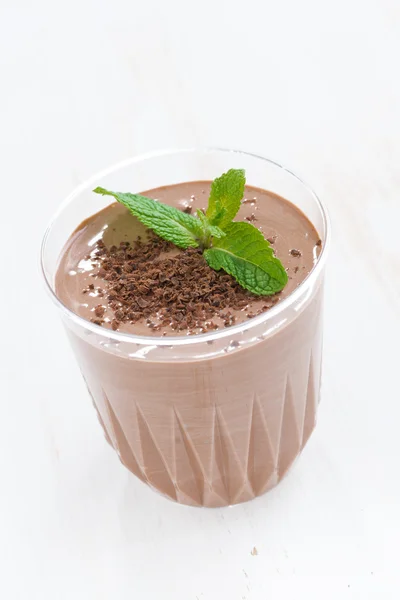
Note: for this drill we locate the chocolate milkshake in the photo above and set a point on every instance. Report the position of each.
(208, 431)
(207, 391)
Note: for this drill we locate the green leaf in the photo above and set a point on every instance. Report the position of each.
(212, 230)
(169, 223)
(245, 254)
(225, 197)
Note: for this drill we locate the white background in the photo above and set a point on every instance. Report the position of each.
(312, 84)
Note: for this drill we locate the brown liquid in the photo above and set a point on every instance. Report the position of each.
(275, 217)
(205, 430)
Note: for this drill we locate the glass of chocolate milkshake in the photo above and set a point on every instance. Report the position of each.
(206, 391)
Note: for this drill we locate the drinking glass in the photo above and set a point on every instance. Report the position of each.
(212, 419)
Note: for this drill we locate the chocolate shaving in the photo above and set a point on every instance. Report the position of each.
(97, 321)
(99, 310)
(166, 287)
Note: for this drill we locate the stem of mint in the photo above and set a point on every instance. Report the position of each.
(238, 248)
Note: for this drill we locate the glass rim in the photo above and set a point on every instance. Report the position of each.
(201, 337)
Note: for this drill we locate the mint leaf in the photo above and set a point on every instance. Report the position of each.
(169, 223)
(245, 254)
(212, 230)
(225, 197)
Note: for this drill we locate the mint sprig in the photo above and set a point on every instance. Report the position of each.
(238, 248)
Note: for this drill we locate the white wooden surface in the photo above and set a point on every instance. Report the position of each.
(313, 84)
